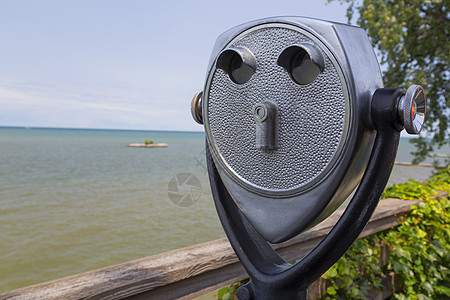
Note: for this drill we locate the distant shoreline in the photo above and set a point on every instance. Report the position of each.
(96, 129)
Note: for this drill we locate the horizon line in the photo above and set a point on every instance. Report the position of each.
(97, 129)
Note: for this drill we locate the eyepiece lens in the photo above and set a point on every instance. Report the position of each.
(303, 62)
(303, 70)
(239, 63)
(239, 71)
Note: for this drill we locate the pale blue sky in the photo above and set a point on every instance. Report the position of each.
(128, 64)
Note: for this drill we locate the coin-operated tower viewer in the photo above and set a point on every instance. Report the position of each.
(296, 118)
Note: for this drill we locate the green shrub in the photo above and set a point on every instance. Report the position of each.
(411, 190)
(441, 181)
(420, 249)
(357, 272)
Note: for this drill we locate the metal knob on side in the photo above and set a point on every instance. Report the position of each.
(412, 109)
(196, 108)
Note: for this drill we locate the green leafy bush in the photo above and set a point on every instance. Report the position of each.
(411, 190)
(420, 249)
(147, 142)
(441, 181)
(357, 272)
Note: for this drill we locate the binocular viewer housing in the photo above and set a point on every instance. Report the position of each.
(287, 113)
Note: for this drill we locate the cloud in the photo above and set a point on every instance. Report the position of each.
(93, 107)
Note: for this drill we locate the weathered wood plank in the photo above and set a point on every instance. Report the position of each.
(191, 271)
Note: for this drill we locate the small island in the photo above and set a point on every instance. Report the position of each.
(149, 144)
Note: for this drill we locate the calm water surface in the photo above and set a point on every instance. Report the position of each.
(77, 200)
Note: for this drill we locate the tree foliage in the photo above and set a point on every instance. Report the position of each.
(412, 38)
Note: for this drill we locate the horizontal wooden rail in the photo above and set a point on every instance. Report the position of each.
(191, 271)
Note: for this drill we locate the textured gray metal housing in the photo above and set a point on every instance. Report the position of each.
(325, 130)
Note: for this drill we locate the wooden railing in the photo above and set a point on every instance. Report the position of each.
(191, 271)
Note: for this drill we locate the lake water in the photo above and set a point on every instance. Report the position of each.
(77, 200)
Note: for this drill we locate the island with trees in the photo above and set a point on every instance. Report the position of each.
(149, 144)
